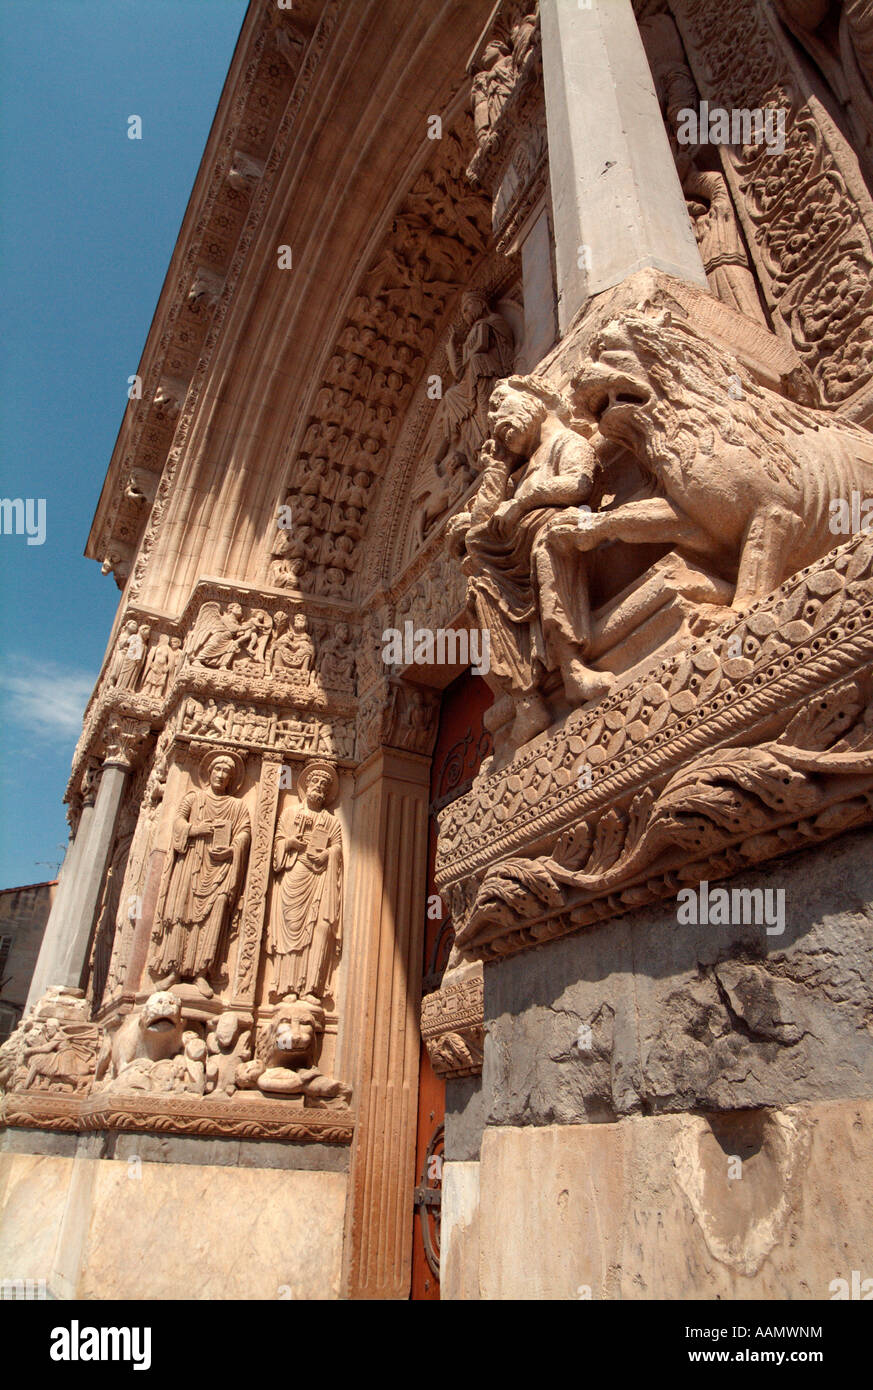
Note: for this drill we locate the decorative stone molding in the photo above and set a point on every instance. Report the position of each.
(244, 1117)
(703, 763)
(274, 74)
(452, 1025)
(741, 60)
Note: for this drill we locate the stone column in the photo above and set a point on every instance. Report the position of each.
(617, 203)
(52, 947)
(72, 954)
(380, 1047)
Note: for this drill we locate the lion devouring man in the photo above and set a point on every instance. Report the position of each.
(729, 476)
(741, 479)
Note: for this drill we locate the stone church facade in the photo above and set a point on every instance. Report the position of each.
(469, 890)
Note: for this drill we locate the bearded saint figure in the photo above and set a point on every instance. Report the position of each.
(202, 877)
(306, 914)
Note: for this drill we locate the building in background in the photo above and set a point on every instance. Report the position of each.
(472, 818)
(23, 916)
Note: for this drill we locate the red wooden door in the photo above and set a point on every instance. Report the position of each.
(462, 742)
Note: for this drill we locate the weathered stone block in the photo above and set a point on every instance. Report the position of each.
(649, 1014)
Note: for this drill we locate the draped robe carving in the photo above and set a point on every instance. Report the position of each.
(307, 899)
(203, 877)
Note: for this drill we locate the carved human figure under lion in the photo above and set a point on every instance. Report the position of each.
(530, 596)
(202, 877)
(306, 915)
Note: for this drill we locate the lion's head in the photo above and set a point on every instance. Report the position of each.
(161, 1012)
(656, 386)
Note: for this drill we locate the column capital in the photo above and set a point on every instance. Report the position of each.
(122, 740)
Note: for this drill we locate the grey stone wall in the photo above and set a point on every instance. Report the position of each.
(644, 1015)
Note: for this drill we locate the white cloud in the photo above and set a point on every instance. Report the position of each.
(44, 698)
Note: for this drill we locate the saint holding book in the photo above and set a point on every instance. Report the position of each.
(203, 876)
(306, 915)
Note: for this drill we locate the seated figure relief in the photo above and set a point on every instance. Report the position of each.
(668, 484)
(292, 654)
(528, 593)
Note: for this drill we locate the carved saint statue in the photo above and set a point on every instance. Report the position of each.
(480, 351)
(160, 666)
(306, 916)
(202, 877)
(491, 87)
(129, 656)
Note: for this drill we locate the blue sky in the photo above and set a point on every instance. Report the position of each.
(88, 221)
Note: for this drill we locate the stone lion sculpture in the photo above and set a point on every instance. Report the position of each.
(742, 479)
(152, 1033)
(287, 1056)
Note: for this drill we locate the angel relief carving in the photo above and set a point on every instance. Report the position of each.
(306, 916)
(203, 876)
(220, 637)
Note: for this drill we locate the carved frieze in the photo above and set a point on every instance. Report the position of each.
(806, 212)
(252, 672)
(452, 1026)
(244, 1116)
(54, 1049)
